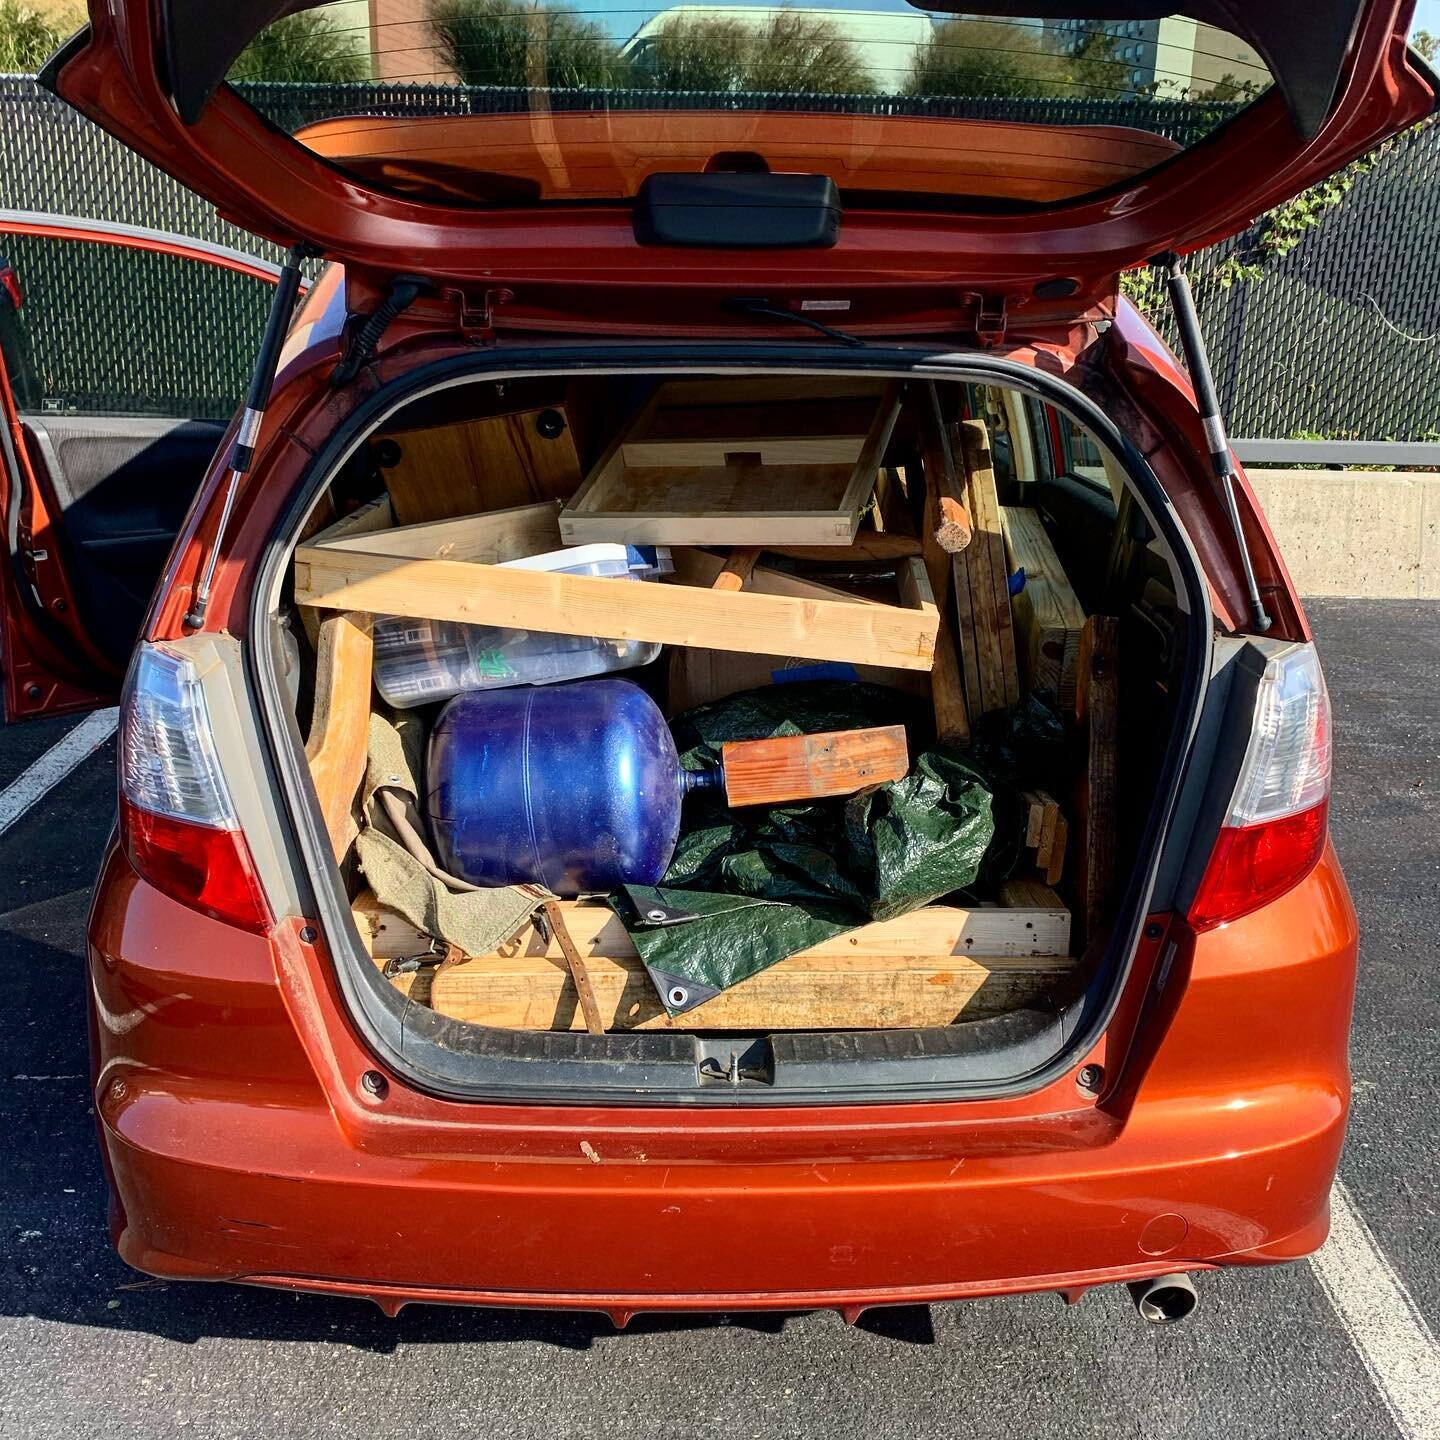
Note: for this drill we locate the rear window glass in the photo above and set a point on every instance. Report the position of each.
(504, 102)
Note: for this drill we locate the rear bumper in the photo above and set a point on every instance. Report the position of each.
(628, 1236)
(237, 1152)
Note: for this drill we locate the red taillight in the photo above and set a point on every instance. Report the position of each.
(1255, 864)
(205, 868)
(1274, 830)
(177, 822)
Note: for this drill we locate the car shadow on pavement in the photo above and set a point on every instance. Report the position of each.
(60, 1266)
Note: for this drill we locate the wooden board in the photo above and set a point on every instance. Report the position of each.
(852, 993)
(947, 689)
(1046, 833)
(775, 613)
(1031, 921)
(684, 473)
(989, 633)
(489, 464)
(487, 538)
(1096, 698)
(876, 977)
(1048, 617)
(805, 767)
(340, 722)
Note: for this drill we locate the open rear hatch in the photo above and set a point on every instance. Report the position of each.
(1015, 156)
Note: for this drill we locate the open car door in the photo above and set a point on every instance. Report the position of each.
(123, 354)
(1010, 156)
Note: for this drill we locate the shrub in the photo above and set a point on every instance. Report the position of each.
(28, 38)
(304, 48)
(511, 42)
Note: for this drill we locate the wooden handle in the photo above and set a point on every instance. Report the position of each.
(806, 767)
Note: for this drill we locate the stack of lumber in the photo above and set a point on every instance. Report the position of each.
(1047, 833)
(930, 967)
(1048, 617)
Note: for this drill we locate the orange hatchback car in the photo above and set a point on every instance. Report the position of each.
(567, 257)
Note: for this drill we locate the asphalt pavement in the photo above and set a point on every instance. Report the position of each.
(90, 1349)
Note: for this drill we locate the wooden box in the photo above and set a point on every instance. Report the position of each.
(732, 463)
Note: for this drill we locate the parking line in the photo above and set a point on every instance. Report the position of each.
(55, 765)
(1388, 1332)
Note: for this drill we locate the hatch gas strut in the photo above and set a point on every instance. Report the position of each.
(1192, 342)
(242, 453)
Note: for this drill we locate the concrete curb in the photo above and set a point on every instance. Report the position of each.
(1362, 533)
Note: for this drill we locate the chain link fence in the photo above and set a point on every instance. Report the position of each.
(1339, 338)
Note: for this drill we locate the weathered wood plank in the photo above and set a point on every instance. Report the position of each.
(942, 486)
(863, 992)
(989, 577)
(801, 767)
(1031, 921)
(875, 977)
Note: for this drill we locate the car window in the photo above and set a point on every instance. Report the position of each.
(1079, 455)
(105, 329)
(507, 102)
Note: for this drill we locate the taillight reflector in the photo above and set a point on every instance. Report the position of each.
(206, 868)
(1255, 864)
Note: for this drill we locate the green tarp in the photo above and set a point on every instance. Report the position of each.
(747, 888)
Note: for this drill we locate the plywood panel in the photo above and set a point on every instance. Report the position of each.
(488, 464)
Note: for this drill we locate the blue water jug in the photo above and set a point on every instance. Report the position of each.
(575, 787)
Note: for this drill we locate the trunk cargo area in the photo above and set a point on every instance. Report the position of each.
(957, 571)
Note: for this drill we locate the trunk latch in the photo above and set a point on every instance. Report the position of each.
(990, 317)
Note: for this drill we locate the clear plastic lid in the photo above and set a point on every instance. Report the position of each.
(603, 559)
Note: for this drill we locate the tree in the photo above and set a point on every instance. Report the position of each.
(28, 38)
(1227, 87)
(304, 48)
(805, 55)
(977, 58)
(1096, 72)
(516, 43)
(791, 52)
(984, 58)
(1426, 46)
(695, 52)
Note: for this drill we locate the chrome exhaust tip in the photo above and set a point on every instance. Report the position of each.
(1165, 1299)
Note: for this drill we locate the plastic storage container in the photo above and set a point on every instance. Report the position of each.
(418, 662)
(575, 787)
